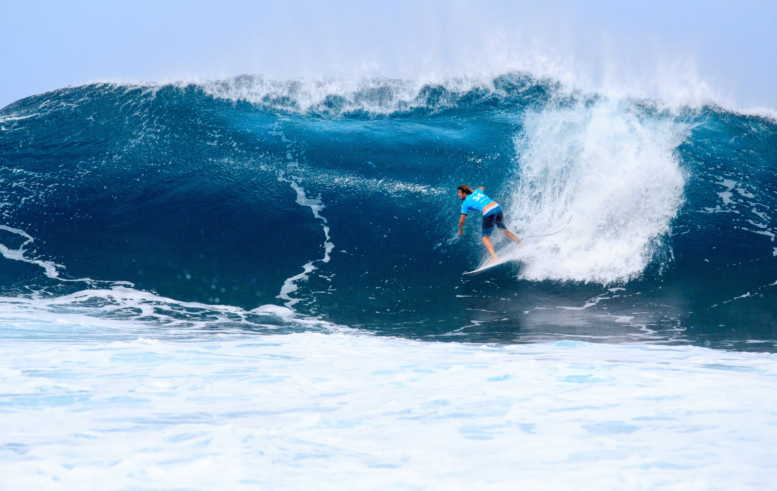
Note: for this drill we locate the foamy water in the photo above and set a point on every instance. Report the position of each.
(84, 408)
(613, 177)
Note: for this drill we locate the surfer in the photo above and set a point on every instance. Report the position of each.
(492, 215)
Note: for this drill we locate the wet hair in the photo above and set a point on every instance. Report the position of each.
(466, 189)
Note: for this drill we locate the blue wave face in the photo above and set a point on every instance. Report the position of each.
(339, 201)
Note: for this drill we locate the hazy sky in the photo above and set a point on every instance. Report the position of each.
(663, 48)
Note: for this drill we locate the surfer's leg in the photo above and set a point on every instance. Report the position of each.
(500, 223)
(488, 227)
(510, 235)
(490, 247)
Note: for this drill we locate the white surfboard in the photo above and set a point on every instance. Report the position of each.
(508, 256)
(488, 266)
(531, 239)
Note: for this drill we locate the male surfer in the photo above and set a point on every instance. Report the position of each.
(492, 215)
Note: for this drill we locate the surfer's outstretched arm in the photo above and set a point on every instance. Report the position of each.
(461, 224)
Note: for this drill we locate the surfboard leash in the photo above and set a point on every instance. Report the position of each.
(547, 235)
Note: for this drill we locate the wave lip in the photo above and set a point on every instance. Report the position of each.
(378, 96)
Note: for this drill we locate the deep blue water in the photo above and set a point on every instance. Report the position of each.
(210, 194)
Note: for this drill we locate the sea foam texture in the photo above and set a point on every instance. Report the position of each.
(315, 411)
(615, 177)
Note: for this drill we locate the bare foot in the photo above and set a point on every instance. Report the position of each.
(493, 259)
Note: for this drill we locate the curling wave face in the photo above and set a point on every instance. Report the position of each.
(337, 200)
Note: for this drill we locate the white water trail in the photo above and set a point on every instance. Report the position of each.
(617, 175)
(49, 267)
(290, 285)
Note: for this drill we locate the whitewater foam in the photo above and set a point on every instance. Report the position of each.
(615, 174)
(86, 410)
(113, 311)
(118, 300)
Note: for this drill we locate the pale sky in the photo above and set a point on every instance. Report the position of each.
(662, 48)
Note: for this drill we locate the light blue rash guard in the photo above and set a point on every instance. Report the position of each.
(480, 202)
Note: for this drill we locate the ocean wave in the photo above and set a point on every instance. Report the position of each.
(338, 199)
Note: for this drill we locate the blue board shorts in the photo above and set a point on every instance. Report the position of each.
(492, 219)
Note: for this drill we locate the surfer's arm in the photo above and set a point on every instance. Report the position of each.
(461, 224)
(482, 189)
